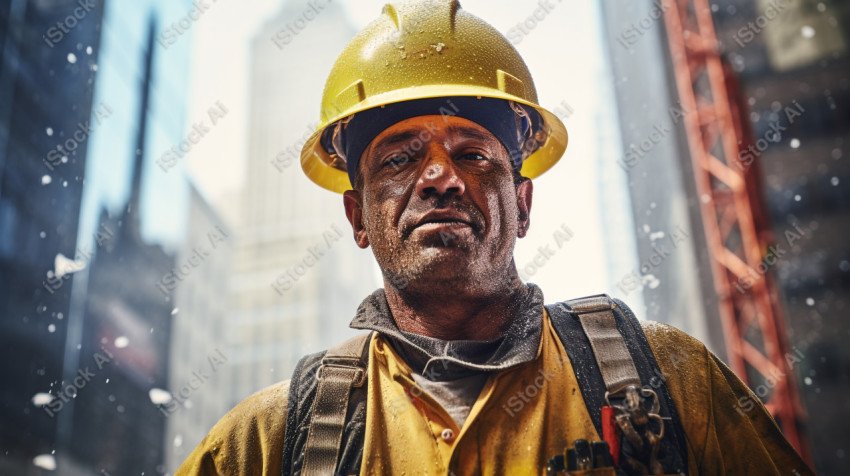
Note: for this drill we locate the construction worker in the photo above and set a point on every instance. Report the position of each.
(432, 131)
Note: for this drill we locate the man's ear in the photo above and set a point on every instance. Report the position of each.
(354, 212)
(523, 202)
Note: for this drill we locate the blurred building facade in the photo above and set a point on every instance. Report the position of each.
(790, 63)
(624, 278)
(293, 236)
(85, 238)
(43, 150)
(199, 389)
(120, 309)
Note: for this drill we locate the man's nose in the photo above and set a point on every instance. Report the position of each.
(439, 175)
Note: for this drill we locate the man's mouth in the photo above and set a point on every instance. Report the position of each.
(442, 220)
(442, 224)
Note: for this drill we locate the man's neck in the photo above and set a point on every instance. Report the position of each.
(452, 315)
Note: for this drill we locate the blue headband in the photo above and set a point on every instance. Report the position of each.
(511, 128)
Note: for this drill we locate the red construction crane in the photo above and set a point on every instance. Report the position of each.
(733, 216)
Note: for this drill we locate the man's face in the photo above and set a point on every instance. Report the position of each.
(438, 204)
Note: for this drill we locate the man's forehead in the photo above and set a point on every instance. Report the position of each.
(425, 127)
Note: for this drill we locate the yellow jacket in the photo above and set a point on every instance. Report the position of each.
(406, 429)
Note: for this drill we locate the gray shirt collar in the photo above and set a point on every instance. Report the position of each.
(438, 359)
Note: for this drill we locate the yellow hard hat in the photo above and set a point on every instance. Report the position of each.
(421, 50)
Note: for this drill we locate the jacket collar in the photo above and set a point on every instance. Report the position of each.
(438, 359)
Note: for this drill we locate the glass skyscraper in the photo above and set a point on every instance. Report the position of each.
(91, 95)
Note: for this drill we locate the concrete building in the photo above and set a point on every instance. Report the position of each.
(199, 374)
(288, 292)
(619, 232)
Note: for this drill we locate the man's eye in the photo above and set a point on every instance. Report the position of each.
(396, 160)
(472, 156)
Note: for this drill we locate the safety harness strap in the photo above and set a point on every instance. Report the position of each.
(343, 368)
(599, 335)
(596, 316)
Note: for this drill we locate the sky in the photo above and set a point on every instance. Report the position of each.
(565, 57)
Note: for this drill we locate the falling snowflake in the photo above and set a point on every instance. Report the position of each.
(650, 280)
(159, 396)
(41, 399)
(47, 462)
(63, 265)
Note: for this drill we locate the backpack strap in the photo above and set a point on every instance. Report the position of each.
(332, 385)
(609, 351)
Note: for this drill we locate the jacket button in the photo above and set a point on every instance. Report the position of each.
(447, 434)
